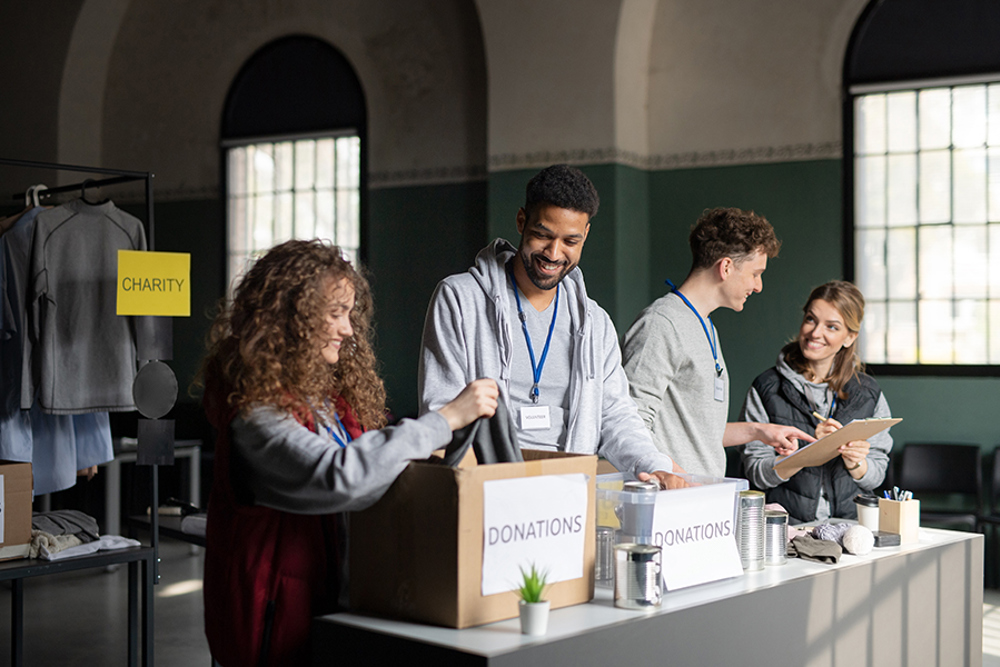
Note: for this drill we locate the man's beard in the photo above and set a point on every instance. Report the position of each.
(544, 282)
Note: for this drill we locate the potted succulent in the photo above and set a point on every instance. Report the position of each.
(534, 610)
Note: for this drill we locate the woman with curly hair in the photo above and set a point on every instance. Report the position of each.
(292, 389)
(820, 373)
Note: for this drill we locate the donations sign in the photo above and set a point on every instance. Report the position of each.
(696, 528)
(538, 521)
(154, 283)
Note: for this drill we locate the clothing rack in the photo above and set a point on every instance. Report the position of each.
(116, 176)
(119, 176)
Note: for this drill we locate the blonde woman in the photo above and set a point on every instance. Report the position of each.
(820, 373)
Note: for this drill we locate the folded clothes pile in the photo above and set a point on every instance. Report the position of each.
(68, 533)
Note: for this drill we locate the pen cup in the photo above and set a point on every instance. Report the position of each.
(901, 517)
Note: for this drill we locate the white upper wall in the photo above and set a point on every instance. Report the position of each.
(551, 92)
(158, 102)
(664, 83)
(452, 86)
(747, 80)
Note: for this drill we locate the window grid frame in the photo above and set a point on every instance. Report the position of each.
(851, 113)
(239, 259)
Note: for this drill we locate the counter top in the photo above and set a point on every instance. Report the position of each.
(942, 572)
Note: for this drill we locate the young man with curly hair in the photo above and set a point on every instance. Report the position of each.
(522, 316)
(673, 357)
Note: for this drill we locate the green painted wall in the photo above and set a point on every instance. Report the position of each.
(803, 202)
(417, 236)
(615, 259)
(193, 227)
(631, 250)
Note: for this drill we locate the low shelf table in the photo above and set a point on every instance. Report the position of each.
(140, 595)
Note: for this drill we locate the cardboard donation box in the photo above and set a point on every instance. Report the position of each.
(15, 509)
(444, 545)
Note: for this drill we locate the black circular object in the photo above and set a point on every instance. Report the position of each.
(154, 390)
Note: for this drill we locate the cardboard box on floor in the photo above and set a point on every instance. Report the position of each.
(15, 509)
(417, 554)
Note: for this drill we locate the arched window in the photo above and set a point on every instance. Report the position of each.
(293, 140)
(922, 184)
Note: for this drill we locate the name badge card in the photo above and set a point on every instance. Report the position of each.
(720, 388)
(536, 417)
(696, 529)
(538, 521)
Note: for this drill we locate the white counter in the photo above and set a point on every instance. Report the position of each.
(919, 604)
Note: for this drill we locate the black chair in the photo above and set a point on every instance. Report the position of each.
(938, 468)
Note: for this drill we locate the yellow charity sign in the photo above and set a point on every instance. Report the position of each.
(154, 283)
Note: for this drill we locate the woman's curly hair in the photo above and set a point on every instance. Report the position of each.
(264, 346)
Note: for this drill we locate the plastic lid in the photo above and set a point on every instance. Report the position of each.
(640, 487)
(866, 500)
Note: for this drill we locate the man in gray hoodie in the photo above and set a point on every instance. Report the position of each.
(522, 317)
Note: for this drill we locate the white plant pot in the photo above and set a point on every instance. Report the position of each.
(534, 617)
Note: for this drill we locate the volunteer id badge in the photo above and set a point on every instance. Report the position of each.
(535, 417)
(720, 388)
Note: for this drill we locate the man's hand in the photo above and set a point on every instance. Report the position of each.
(784, 439)
(665, 479)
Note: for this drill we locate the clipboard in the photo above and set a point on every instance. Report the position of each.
(819, 452)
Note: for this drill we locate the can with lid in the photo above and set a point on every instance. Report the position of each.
(750, 530)
(637, 576)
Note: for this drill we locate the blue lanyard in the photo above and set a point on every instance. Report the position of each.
(710, 337)
(333, 433)
(535, 368)
(833, 406)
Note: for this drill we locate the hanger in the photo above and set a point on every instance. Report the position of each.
(31, 194)
(83, 193)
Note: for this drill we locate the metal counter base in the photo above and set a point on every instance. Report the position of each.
(920, 604)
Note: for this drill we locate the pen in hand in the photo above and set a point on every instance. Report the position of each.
(826, 426)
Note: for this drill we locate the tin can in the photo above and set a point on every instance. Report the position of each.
(637, 576)
(750, 530)
(775, 537)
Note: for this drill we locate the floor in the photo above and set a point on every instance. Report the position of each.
(991, 628)
(79, 618)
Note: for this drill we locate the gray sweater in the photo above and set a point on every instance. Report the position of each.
(468, 334)
(671, 373)
(288, 467)
(79, 355)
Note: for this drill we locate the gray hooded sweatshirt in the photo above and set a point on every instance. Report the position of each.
(467, 335)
